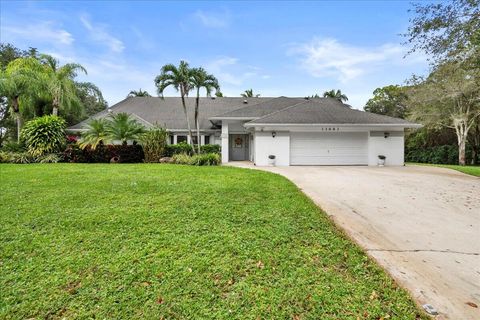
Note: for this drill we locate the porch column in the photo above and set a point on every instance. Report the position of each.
(224, 137)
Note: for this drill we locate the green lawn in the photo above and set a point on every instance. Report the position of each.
(177, 242)
(471, 170)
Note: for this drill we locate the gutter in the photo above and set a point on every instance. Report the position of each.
(404, 125)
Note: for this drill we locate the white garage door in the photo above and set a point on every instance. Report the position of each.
(328, 148)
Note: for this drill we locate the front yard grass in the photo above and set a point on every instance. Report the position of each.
(471, 170)
(178, 242)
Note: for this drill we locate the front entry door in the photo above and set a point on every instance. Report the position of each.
(238, 145)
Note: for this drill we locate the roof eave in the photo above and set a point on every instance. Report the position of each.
(403, 125)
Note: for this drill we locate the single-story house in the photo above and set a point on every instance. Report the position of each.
(297, 131)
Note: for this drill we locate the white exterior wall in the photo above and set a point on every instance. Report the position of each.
(224, 144)
(266, 145)
(392, 147)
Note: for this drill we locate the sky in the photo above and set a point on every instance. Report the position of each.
(292, 49)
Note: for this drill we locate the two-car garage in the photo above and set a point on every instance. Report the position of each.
(329, 148)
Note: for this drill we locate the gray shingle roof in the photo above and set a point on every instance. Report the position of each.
(168, 112)
(261, 108)
(326, 111)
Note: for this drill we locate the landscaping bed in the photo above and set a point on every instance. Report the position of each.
(174, 242)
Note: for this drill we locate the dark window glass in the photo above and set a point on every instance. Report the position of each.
(181, 139)
(194, 139)
(171, 139)
(207, 139)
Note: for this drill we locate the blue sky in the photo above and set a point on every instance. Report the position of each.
(276, 48)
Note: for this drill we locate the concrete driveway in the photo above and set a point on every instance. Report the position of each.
(422, 224)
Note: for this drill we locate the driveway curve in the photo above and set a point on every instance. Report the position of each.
(422, 224)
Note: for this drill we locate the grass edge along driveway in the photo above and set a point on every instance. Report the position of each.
(176, 242)
(470, 170)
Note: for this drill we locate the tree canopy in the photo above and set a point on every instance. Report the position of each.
(389, 100)
(336, 94)
(249, 94)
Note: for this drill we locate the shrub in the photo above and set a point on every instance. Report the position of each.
(49, 158)
(153, 143)
(180, 148)
(185, 148)
(207, 159)
(21, 157)
(182, 158)
(13, 147)
(5, 157)
(445, 154)
(104, 153)
(44, 135)
(210, 148)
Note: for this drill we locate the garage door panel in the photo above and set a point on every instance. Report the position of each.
(340, 148)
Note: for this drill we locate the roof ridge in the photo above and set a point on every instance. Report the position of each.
(272, 113)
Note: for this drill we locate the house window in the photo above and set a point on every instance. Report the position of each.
(194, 140)
(172, 137)
(181, 139)
(207, 140)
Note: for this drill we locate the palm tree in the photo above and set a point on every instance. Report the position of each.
(139, 93)
(60, 82)
(249, 94)
(335, 94)
(201, 79)
(123, 128)
(20, 83)
(181, 79)
(95, 134)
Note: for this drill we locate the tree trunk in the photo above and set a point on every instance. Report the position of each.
(461, 129)
(19, 125)
(18, 116)
(197, 125)
(55, 104)
(461, 152)
(186, 118)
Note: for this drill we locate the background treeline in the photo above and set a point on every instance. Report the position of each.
(447, 100)
(33, 84)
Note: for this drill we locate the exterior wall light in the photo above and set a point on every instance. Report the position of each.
(274, 134)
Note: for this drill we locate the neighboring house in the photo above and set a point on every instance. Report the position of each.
(297, 131)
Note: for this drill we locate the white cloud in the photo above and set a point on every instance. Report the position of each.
(99, 34)
(219, 68)
(213, 19)
(329, 58)
(45, 31)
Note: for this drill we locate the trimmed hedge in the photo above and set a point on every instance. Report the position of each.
(185, 148)
(104, 154)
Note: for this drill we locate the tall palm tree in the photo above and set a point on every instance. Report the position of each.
(139, 93)
(336, 94)
(95, 134)
(60, 82)
(201, 79)
(181, 79)
(249, 94)
(123, 128)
